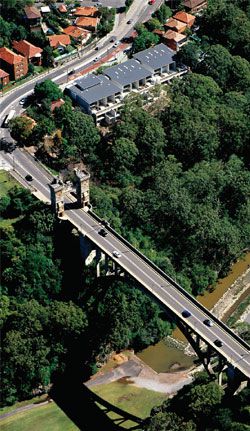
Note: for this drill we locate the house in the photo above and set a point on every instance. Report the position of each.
(33, 17)
(59, 40)
(15, 65)
(102, 95)
(45, 9)
(195, 6)
(62, 8)
(31, 52)
(174, 40)
(185, 17)
(88, 11)
(4, 78)
(175, 25)
(56, 104)
(77, 34)
(87, 23)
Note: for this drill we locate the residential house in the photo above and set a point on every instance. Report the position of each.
(175, 25)
(56, 104)
(87, 11)
(194, 6)
(79, 35)
(59, 41)
(174, 40)
(185, 17)
(4, 78)
(33, 17)
(15, 65)
(87, 23)
(62, 8)
(102, 95)
(31, 52)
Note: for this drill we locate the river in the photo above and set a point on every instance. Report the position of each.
(161, 357)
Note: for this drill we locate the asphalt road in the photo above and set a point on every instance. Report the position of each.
(235, 352)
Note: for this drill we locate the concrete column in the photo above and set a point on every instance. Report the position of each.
(87, 249)
(98, 257)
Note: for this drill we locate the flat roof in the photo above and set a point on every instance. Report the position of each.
(92, 88)
(127, 72)
(156, 57)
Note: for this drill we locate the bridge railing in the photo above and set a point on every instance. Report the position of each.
(173, 282)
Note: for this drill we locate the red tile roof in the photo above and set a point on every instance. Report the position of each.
(3, 74)
(26, 48)
(32, 12)
(87, 22)
(59, 39)
(184, 17)
(56, 104)
(86, 11)
(9, 56)
(173, 35)
(62, 8)
(76, 32)
(193, 3)
(174, 23)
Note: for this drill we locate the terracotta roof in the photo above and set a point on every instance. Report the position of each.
(3, 74)
(174, 23)
(86, 11)
(62, 8)
(173, 35)
(193, 3)
(27, 49)
(56, 104)
(59, 39)
(32, 12)
(184, 17)
(9, 56)
(75, 32)
(87, 22)
(159, 32)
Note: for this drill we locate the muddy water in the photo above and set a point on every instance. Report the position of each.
(161, 357)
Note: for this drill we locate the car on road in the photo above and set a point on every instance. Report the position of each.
(7, 146)
(117, 43)
(95, 59)
(22, 102)
(103, 232)
(151, 2)
(29, 177)
(186, 313)
(208, 322)
(129, 21)
(72, 72)
(218, 343)
(116, 253)
(96, 48)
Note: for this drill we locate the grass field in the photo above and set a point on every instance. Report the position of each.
(136, 401)
(6, 183)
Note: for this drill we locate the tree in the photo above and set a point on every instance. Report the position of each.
(163, 13)
(217, 63)
(189, 54)
(145, 40)
(47, 90)
(153, 24)
(169, 421)
(21, 129)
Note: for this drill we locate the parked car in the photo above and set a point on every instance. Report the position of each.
(22, 101)
(103, 232)
(218, 343)
(116, 253)
(129, 21)
(151, 2)
(208, 322)
(186, 313)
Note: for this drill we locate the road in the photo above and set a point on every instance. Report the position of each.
(140, 11)
(162, 288)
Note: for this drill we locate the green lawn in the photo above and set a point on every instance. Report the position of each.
(44, 418)
(6, 183)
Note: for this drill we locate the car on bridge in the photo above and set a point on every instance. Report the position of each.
(208, 322)
(186, 313)
(29, 177)
(103, 232)
(116, 253)
(218, 343)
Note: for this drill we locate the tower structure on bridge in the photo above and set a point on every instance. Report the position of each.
(82, 187)
(57, 198)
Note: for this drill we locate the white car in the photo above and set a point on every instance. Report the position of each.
(116, 44)
(116, 253)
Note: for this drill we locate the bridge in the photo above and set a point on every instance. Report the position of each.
(233, 353)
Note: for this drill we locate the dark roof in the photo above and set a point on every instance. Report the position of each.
(156, 57)
(92, 88)
(127, 72)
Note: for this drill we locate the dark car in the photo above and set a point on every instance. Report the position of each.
(186, 313)
(129, 21)
(29, 177)
(72, 72)
(208, 322)
(105, 223)
(103, 232)
(218, 343)
(96, 48)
